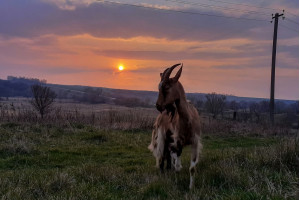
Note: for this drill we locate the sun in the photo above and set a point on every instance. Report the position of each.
(121, 68)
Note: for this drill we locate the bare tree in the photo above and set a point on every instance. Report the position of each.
(280, 107)
(233, 105)
(43, 98)
(255, 109)
(258, 108)
(215, 103)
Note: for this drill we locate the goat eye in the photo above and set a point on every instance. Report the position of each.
(165, 92)
(166, 87)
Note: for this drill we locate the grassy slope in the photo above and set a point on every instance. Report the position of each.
(77, 162)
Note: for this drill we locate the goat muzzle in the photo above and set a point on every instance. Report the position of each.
(159, 108)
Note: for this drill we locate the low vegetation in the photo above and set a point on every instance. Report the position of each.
(85, 151)
(44, 161)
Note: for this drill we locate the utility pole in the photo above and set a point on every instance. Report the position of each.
(273, 65)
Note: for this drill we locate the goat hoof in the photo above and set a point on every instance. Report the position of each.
(191, 186)
(178, 168)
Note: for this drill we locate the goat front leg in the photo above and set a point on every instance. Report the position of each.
(176, 150)
(161, 160)
(161, 164)
(168, 157)
(176, 162)
(167, 152)
(196, 149)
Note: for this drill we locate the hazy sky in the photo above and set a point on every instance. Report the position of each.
(225, 49)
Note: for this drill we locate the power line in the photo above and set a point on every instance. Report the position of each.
(289, 28)
(293, 14)
(292, 21)
(244, 11)
(248, 5)
(182, 11)
(242, 4)
(229, 31)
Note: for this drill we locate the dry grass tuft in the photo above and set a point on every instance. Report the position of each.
(61, 181)
(18, 144)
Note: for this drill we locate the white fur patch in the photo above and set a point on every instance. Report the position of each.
(193, 164)
(174, 155)
(151, 147)
(191, 182)
(176, 162)
(158, 151)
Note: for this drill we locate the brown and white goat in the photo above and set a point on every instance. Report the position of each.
(185, 123)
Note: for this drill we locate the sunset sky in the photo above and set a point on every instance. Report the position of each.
(225, 45)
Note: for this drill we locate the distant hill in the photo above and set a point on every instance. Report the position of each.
(20, 87)
(17, 87)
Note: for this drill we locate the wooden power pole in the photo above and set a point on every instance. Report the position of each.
(273, 65)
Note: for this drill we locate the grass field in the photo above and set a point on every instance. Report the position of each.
(81, 162)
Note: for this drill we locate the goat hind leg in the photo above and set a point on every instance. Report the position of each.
(166, 156)
(167, 152)
(196, 149)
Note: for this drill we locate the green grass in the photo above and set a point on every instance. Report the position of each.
(48, 162)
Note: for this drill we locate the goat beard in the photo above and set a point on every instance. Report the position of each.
(171, 108)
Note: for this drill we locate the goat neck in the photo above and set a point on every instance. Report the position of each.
(182, 104)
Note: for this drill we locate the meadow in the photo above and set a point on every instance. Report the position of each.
(85, 154)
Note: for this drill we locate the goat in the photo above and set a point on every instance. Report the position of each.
(185, 126)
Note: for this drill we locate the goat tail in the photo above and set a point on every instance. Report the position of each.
(151, 147)
(160, 141)
(157, 145)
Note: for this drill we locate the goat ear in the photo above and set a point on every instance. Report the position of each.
(178, 74)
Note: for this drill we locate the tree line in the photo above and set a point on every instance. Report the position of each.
(214, 104)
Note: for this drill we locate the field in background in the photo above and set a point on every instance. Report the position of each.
(69, 113)
(115, 117)
(83, 151)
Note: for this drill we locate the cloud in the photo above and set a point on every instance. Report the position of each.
(45, 40)
(229, 66)
(34, 18)
(159, 55)
(36, 70)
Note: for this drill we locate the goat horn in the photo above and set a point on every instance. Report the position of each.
(178, 74)
(163, 74)
(169, 71)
